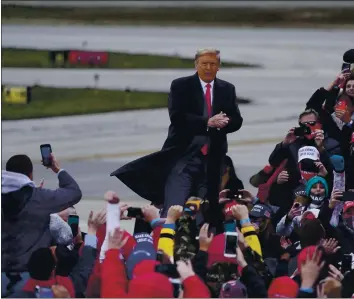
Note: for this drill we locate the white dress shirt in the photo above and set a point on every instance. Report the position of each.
(204, 84)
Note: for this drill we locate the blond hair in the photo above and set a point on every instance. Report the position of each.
(202, 52)
(332, 288)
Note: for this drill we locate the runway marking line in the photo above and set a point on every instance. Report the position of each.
(232, 144)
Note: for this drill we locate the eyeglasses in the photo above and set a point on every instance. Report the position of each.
(309, 123)
(349, 86)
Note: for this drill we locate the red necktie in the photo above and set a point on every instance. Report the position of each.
(204, 149)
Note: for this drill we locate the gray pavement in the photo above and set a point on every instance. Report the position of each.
(281, 49)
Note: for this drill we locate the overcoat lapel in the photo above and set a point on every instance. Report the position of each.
(216, 97)
(199, 95)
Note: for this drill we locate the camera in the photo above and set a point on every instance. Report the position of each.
(302, 131)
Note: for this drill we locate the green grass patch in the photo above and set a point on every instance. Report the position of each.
(228, 16)
(31, 58)
(50, 102)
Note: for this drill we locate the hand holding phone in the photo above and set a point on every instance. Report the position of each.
(48, 159)
(135, 213)
(231, 239)
(347, 196)
(73, 221)
(347, 263)
(46, 152)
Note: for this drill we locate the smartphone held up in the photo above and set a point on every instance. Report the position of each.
(46, 153)
(134, 213)
(231, 239)
(73, 221)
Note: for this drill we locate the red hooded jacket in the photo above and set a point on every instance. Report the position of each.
(114, 282)
(94, 283)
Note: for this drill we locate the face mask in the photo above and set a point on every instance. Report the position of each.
(317, 201)
(349, 222)
(306, 175)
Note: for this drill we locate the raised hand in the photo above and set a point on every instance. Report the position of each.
(283, 177)
(205, 238)
(330, 246)
(115, 239)
(95, 221)
(185, 269)
(290, 137)
(310, 269)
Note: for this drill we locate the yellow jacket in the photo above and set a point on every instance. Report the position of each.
(252, 239)
(167, 240)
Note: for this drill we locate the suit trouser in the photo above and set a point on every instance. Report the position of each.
(187, 178)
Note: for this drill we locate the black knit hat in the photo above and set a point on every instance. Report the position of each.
(41, 264)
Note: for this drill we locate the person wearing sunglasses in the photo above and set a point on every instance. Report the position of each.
(335, 106)
(308, 133)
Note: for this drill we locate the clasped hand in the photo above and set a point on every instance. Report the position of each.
(218, 121)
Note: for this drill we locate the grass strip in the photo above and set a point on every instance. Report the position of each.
(50, 102)
(32, 58)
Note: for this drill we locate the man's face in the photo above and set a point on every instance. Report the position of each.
(348, 218)
(349, 87)
(207, 67)
(318, 190)
(310, 120)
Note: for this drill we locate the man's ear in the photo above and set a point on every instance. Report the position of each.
(31, 176)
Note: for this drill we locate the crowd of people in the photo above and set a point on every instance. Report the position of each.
(293, 239)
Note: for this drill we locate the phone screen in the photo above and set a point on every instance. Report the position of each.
(347, 196)
(46, 151)
(230, 226)
(231, 244)
(135, 213)
(44, 292)
(346, 263)
(73, 221)
(345, 66)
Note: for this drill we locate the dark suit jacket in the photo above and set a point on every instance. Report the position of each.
(187, 133)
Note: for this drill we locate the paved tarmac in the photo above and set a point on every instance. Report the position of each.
(295, 63)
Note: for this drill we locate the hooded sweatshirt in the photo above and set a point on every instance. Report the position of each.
(26, 212)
